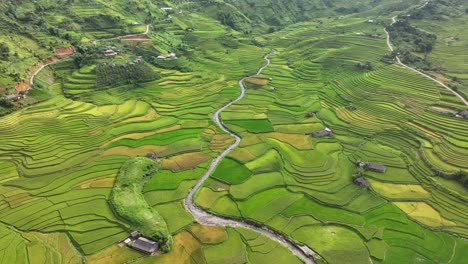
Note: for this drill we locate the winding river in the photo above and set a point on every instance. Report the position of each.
(205, 218)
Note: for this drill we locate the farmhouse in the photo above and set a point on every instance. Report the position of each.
(144, 245)
(110, 53)
(166, 8)
(138, 60)
(376, 167)
(323, 133)
(364, 66)
(137, 242)
(152, 156)
(351, 108)
(361, 181)
(310, 114)
(170, 56)
(14, 97)
(462, 114)
(134, 234)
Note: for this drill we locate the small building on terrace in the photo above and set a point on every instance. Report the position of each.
(362, 182)
(110, 53)
(134, 234)
(144, 245)
(351, 108)
(376, 167)
(323, 133)
(14, 97)
(170, 56)
(152, 156)
(462, 114)
(137, 242)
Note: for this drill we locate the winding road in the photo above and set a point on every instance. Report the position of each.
(390, 46)
(33, 76)
(126, 36)
(205, 218)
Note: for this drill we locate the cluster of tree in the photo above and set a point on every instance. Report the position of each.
(150, 54)
(6, 103)
(111, 75)
(235, 20)
(4, 51)
(86, 55)
(367, 66)
(408, 37)
(408, 57)
(461, 176)
(269, 15)
(440, 10)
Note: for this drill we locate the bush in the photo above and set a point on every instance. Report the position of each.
(111, 75)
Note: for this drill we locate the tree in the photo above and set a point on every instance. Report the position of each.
(4, 51)
(5, 103)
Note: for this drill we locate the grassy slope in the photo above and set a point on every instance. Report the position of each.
(128, 201)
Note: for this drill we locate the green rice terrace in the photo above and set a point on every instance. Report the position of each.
(212, 132)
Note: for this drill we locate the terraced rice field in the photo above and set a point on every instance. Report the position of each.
(302, 186)
(60, 157)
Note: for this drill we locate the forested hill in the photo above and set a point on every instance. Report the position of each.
(276, 13)
(441, 10)
(243, 15)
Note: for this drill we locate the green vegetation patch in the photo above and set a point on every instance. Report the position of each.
(128, 200)
(334, 243)
(253, 126)
(231, 172)
(110, 75)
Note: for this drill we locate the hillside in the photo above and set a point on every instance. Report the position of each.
(236, 131)
(41, 27)
(438, 40)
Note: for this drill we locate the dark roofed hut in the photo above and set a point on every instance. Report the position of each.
(351, 108)
(463, 114)
(134, 234)
(152, 156)
(14, 97)
(376, 167)
(145, 245)
(110, 53)
(361, 181)
(323, 133)
(310, 114)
